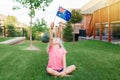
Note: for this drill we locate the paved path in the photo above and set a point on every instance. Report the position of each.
(15, 40)
(117, 41)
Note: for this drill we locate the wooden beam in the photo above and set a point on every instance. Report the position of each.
(100, 24)
(94, 25)
(109, 26)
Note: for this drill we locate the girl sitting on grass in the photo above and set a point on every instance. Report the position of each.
(57, 57)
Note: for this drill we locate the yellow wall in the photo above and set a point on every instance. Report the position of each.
(101, 16)
(104, 14)
(114, 11)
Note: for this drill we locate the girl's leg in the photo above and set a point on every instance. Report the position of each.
(53, 72)
(70, 69)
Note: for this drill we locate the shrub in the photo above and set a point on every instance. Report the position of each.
(11, 31)
(45, 37)
(1, 31)
(67, 33)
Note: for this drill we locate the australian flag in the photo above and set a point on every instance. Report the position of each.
(63, 13)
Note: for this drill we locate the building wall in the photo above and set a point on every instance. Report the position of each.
(86, 21)
(106, 16)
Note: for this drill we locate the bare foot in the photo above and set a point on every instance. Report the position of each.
(68, 76)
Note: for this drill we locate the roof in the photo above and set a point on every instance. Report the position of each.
(93, 5)
(2, 19)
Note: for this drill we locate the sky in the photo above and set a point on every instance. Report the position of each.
(49, 15)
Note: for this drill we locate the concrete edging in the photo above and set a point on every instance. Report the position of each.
(14, 40)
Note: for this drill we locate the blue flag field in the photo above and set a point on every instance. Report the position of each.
(64, 14)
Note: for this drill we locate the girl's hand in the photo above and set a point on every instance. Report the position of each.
(52, 25)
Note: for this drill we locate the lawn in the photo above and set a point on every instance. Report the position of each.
(95, 60)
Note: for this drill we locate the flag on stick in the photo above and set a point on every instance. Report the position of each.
(64, 14)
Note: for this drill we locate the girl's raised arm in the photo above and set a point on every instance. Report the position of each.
(51, 34)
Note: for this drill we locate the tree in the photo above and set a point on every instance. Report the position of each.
(33, 5)
(38, 28)
(67, 33)
(11, 31)
(1, 29)
(10, 24)
(11, 20)
(40, 25)
(76, 18)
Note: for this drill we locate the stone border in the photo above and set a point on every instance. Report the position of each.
(13, 41)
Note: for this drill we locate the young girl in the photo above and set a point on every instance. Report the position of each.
(57, 57)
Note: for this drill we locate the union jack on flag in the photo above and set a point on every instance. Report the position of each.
(62, 10)
(63, 13)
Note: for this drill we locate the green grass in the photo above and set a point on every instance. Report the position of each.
(5, 38)
(95, 60)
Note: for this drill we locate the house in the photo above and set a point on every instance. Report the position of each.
(2, 27)
(101, 19)
(3, 30)
(2, 18)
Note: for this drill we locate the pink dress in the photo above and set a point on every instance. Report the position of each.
(56, 58)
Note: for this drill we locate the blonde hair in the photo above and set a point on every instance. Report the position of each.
(56, 40)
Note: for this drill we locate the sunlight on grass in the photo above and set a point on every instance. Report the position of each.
(95, 60)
